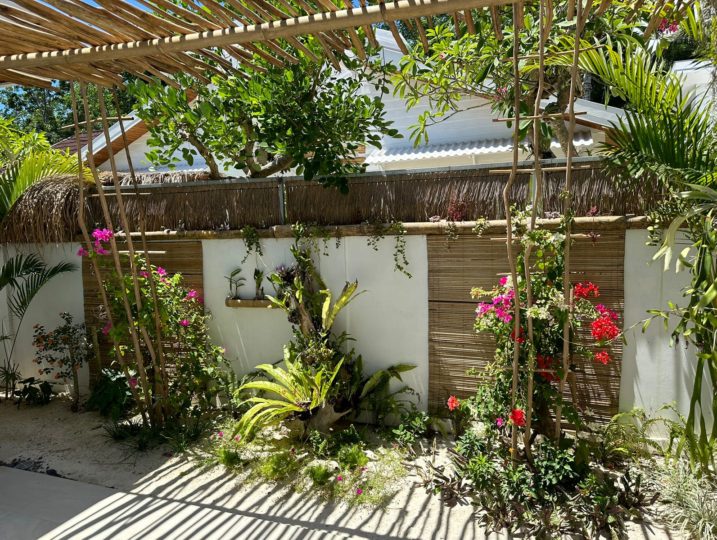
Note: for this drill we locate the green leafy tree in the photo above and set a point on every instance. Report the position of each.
(461, 64)
(305, 116)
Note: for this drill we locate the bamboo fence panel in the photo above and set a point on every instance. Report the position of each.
(182, 256)
(455, 266)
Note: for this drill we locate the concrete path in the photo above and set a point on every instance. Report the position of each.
(184, 501)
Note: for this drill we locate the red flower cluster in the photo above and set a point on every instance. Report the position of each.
(603, 357)
(453, 403)
(546, 362)
(586, 289)
(521, 338)
(604, 328)
(517, 416)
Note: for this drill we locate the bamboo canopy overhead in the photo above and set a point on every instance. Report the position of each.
(97, 42)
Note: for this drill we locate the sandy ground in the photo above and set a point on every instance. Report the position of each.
(75, 445)
(210, 499)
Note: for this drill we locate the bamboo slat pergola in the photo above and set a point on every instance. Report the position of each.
(97, 43)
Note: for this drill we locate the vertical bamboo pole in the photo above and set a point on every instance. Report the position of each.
(88, 247)
(134, 272)
(509, 224)
(567, 209)
(115, 257)
(163, 383)
(537, 200)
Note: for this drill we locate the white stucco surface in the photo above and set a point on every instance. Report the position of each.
(62, 293)
(654, 373)
(389, 320)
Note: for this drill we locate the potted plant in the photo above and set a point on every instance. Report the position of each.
(234, 300)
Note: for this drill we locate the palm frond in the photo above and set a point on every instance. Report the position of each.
(18, 267)
(24, 292)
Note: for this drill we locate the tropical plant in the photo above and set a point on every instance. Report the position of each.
(267, 120)
(111, 395)
(33, 392)
(26, 158)
(258, 280)
(296, 390)
(235, 282)
(23, 276)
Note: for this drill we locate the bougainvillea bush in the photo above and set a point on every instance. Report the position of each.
(550, 482)
(185, 381)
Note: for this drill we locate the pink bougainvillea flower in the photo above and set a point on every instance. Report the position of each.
(499, 422)
(144, 274)
(132, 382)
(517, 416)
(339, 478)
(191, 295)
(184, 322)
(237, 438)
(603, 357)
(161, 271)
(106, 328)
(453, 403)
(100, 250)
(605, 312)
(220, 434)
(503, 281)
(82, 252)
(102, 235)
(359, 491)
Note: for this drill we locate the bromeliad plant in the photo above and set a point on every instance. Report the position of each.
(322, 381)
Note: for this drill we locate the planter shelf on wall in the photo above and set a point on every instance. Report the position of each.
(246, 303)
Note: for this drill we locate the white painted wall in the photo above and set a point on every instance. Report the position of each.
(389, 321)
(63, 293)
(653, 373)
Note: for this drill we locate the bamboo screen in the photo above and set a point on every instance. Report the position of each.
(183, 256)
(455, 266)
(418, 196)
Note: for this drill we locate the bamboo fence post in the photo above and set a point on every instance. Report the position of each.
(88, 243)
(537, 200)
(115, 258)
(164, 385)
(580, 20)
(508, 226)
(134, 273)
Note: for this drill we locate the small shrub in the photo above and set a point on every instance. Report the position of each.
(34, 392)
(120, 431)
(229, 457)
(470, 444)
(111, 395)
(352, 457)
(320, 474)
(413, 425)
(480, 470)
(319, 444)
(278, 466)
(553, 467)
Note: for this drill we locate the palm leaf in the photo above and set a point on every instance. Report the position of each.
(23, 293)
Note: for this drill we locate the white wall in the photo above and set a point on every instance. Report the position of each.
(389, 321)
(653, 372)
(62, 293)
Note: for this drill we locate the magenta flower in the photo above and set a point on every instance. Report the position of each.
(339, 478)
(499, 422)
(503, 281)
(184, 322)
(133, 382)
(106, 328)
(191, 295)
(144, 274)
(359, 491)
(102, 235)
(220, 434)
(236, 438)
(82, 252)
(161, 271)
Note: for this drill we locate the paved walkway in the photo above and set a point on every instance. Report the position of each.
(187, 502)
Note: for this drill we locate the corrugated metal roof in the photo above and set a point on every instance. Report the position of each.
(471, 148)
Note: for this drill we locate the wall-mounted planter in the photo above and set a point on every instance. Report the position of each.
(246, 303)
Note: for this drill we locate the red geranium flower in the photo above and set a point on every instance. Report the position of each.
(603, 357)
(586, 289)
(546, 362)
(517, 416)
(520, 339)
(453, 403)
